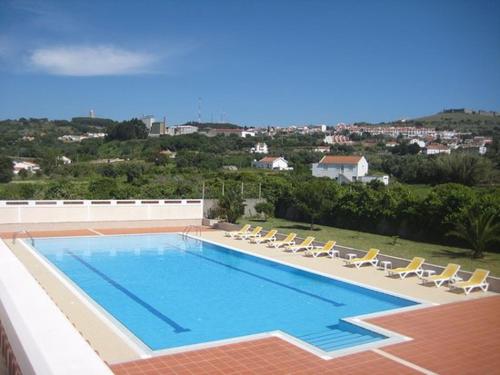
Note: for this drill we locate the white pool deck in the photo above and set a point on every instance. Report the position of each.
(73, 321)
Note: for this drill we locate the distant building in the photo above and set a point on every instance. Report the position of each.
(26, 165)
(417, 141)
(437, 148)
(322, 149)
(332, 166)
(458, 110)
(248, 133)
(157, 129)
(272, 162)
(260, 148)
(337, 139)
(148, 121)
(185, 129)
(64, 160)
(345, 169)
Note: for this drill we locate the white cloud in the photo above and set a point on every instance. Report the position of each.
(91, 61)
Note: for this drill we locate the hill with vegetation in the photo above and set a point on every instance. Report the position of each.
(475, 123)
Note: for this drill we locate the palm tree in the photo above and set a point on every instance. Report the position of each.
(479, 229)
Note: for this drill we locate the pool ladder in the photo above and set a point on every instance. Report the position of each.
(194, 229)
(28, 234)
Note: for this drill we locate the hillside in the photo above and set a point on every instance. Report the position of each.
(475, 123)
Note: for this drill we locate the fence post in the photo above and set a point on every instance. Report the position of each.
(222, 188)
(260, 190)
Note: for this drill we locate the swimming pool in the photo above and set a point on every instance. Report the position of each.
(169, 291)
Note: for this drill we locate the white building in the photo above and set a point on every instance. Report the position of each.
(248, 133)
(322, 149)
(148, 121)
(333, 166)
(272, 162)
(417, 141)
(345, 169)
(185, 129)
(437, 148)
(337, 139)
(26, 165)
(260, 148)
(64, 160)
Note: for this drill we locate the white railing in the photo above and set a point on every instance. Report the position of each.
(47, 211)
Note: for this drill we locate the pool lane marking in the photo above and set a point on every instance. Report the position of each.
(337, 304)
(94, 231)
(404, 362)
(177, 327)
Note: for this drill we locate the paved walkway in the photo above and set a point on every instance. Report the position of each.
(456, 338)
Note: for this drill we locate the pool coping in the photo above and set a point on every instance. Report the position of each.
(143, 351)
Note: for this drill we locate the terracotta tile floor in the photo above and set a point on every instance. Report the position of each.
(458, 338)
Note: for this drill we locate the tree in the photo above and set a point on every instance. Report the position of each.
(6, 172)
(231, 206)
(266, 209)
(133, 129)
(315, 198)
(479, 229)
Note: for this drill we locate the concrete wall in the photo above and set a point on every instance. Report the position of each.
(99, 210)
(396, 261)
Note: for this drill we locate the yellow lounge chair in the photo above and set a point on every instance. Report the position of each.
(307, 244)
(448, 274)
(477, 280)
(326, 249)
(415, 266)
(243, 229)
(270, 236)
(255, 233)
(370, 258)
(289, 240)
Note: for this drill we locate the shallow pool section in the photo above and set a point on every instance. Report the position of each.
(170, 291)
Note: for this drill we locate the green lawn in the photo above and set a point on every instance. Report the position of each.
(437, 254)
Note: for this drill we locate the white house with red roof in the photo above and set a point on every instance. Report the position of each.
(345, 169)
(272, 162)
(437, 148)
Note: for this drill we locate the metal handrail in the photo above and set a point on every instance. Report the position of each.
(15, 236)
(189, 228)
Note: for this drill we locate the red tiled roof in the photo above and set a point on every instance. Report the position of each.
(269, 159)
(335, 159)
(437, 146)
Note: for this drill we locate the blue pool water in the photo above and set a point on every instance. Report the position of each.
(169, 291)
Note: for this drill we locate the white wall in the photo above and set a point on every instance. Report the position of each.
(104, 210)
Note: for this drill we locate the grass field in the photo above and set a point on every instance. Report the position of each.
(437, 254)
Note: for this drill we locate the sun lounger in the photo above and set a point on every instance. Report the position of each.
(270, 236)
(447, 275)
(255, 233)
(369, 258)
(326, 249)
(243, 229)
(307, 244)
(289, 240)
(477, 280)
(415, 267)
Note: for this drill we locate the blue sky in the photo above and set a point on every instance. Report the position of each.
(266, 62)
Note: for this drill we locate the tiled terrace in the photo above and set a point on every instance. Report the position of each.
(460, 337)
(456, 338)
